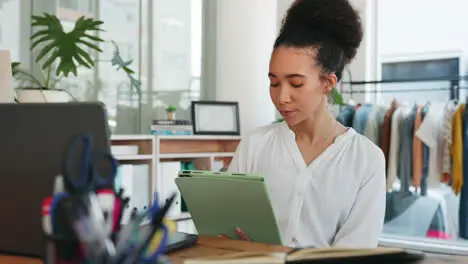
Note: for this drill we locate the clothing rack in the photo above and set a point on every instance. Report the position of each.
(455, 84)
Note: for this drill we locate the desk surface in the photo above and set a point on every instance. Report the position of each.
(208, 246)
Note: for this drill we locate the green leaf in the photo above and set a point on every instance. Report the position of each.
(47, 48)
(65, 48)
(121, 64)
(15, 68)
(171, 108)
(337, 98)
(85, 56)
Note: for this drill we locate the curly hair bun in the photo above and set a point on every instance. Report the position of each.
(335, 19)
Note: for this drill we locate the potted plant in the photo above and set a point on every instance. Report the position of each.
(59, 54)
(336, 97)
(171, 112)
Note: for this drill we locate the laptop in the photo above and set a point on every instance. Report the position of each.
(33, 138)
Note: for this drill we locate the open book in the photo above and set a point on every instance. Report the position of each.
(333, 255)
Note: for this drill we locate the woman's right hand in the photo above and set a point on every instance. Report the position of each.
(240, 234)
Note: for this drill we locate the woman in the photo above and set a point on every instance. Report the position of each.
(326, 181)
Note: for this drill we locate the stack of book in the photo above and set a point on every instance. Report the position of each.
(171, 127)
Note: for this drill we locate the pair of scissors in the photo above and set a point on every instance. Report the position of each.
(80, 166)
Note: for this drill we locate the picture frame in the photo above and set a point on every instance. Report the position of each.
(215, 118)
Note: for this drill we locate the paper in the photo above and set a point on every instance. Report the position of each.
(6, 78)
(216, 118)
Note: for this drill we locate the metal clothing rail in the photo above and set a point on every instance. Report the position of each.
(404, 90)
(454, 87)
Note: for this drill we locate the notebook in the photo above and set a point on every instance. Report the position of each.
(325, 256)
(220, 201)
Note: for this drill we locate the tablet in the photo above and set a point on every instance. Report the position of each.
(220, 201)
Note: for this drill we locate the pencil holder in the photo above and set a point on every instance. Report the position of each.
(68, 250)
(62, 249)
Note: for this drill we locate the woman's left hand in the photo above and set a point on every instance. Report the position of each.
(241, 234)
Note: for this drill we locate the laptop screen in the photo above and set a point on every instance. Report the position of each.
(33, 138)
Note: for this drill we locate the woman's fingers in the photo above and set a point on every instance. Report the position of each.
(223, 236)
(242, 235)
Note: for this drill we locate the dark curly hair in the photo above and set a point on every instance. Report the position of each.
(332, 27)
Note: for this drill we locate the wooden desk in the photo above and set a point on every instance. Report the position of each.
(208, 246)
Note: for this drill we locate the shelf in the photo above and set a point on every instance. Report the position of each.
(131, 137)
(198, 137)
(172, 137)
(134, 157)
(196, 155)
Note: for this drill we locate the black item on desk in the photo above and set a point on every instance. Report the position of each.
(400, 257)
(32, 141)
(179, 241)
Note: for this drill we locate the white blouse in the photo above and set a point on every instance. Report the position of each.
(337, 200)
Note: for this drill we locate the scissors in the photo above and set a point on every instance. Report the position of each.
(80, 166)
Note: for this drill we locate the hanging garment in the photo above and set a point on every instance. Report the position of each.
(456, 149)
(405, 157)
(430, 133)
(386, 131)
(463, 211)
(373, 128)
(346, 115)
(449, 111)
(426, 151)
(417, 150)
(360, 118)
(394, 151)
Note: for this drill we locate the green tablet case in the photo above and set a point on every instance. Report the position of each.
(220, 201)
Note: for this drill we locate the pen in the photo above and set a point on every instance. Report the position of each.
(118, 207)
(130, 228)
(107, 201)
(155, 224)
(87, 220)
(46, 222)
(128, 235)
(124, 204)
(58, 184)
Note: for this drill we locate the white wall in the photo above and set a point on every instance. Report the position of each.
(245, 34)
(425, 29)
(363, 67)
(283, 6)
(422, 27)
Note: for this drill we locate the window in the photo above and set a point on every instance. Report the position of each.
(419, 70)
(72, 4)
(161, 38)
(175, 40)
(85, 6)
(115, 90)
(10, 28)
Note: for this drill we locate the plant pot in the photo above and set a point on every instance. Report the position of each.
(170, 115)
(40, 95)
